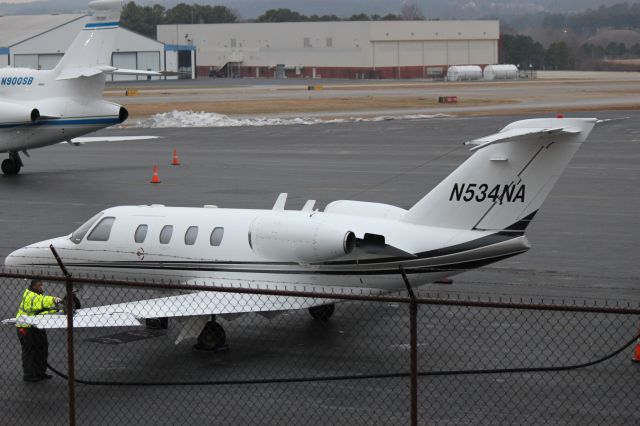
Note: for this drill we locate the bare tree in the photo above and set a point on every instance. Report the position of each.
(410, 11)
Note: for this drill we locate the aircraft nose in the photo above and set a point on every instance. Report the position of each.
(16, 258)
(34, 254)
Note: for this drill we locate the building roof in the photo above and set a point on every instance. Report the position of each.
(17, 28)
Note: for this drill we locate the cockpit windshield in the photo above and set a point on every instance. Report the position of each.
(79, 233)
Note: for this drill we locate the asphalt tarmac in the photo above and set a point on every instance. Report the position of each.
(345, 98)
(584, 251)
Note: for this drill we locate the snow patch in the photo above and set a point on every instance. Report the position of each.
(210, 119)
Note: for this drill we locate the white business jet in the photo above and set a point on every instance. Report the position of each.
(476, 216)
(46, 107)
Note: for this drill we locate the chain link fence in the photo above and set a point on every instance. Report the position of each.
(477, 362)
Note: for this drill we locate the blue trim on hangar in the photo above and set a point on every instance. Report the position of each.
(178, 47)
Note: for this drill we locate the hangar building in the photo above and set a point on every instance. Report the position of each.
(344, 49)
(39, 41)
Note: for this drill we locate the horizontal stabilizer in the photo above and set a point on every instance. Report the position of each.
(83, 140)
(123, 71)
(78, 72)
(184, 305)
(606, 121)
(517, 134)
(71, 73)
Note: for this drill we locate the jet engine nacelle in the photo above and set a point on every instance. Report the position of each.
(16, 113)
(102, 108)
(296, 239)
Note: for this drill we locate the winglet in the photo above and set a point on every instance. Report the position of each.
(281, 201)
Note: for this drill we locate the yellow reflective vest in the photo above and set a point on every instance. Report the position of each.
(35, 304)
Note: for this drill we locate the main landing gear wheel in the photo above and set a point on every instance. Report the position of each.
(10, 167)
(161, 323)
(212, 337)
(322, 312)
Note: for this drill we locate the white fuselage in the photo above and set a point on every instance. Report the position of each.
(427, 253)
(65, 108)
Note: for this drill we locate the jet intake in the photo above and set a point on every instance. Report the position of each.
(287, 239)
(17, 113)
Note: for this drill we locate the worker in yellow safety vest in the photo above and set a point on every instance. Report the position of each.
(35, 347)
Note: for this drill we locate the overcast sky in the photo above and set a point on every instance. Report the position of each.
(248, 9)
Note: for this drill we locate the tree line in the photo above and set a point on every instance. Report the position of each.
(529, 54)
(573, 48)
(586, 24)
(145, 19)
(514, 48)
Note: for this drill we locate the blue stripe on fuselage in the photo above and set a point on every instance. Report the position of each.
(64, 122)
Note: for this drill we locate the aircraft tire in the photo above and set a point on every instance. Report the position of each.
(161, 323)
(212, 336)
(322, 312)
(10, 167)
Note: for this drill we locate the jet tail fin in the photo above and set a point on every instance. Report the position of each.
(93, 46)
(504, 183)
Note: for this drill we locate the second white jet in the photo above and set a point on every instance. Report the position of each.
(46, 107)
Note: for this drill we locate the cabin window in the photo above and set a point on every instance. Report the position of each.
(191, 235)
(165, 234)
(102, 231)
(79, 233)
(141, 233)
(216, 236)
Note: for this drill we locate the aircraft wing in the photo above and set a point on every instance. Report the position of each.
(521, 133)
(83, 140)
(185, 305)
(123, 71)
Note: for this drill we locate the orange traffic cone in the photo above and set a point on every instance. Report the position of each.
(636, 352)
(155, 178)
(175, 161)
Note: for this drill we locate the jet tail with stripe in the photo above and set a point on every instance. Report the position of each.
(92, 47)
(504, 183)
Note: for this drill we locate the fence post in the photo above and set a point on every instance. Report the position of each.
(71, 384)
(413, 333)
